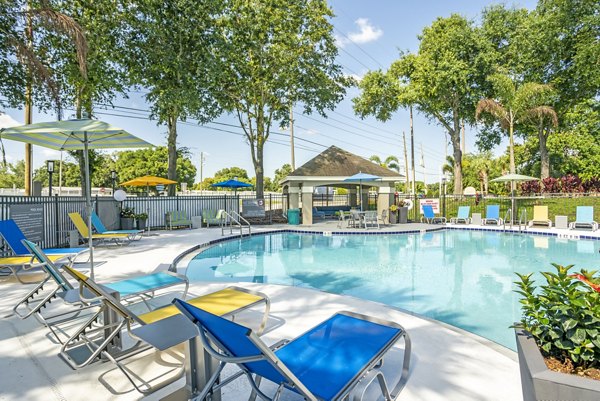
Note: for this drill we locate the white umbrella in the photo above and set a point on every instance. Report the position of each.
(360, 177)
(80, 134)
(512, 178)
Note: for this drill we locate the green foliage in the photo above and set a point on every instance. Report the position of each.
(127, 213)
(12, 175)
(131, 164)
(563, 315)
(280, 174)
(230, 173)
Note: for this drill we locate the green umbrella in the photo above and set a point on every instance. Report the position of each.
(512, 178)
(81, 134)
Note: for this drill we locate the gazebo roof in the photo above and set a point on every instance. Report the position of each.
(336, 162)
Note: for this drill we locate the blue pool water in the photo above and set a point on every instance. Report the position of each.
(463, 278)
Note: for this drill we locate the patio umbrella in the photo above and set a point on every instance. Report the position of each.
(80, 134)
(360, 177)
(513, 178)
(148, 181)
(235, 184)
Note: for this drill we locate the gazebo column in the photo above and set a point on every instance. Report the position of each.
(294, 195)
(385, 198)
(307, 205)
(365, 197)
(353, 198)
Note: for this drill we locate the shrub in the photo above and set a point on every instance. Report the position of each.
(551, 185)
(592, 185)
(564, 315)
(571, 183)
(128, 212)
(531, 187)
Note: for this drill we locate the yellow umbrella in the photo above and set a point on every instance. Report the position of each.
(148, 181)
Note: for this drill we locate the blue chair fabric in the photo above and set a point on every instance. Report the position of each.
(101, 228)
(13, 236)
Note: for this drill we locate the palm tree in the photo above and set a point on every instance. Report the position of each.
(514, 104)
(390, 162)
(482, 163)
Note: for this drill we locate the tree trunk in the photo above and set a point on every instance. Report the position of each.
(544, 157)
(511, 143)
(260, 172)
(172, 152)
(457, 153)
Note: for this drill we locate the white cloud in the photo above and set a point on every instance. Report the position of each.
(7, 121)
(311, 132)
(367, 33)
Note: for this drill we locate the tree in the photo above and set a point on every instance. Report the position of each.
(171, 56)
(280, 174)
(441, 80)
(12, 175)
(273, 54)
(232, 173)
(516, 103)
(390, 162)
(131, 164)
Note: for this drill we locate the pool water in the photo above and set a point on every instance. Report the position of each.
(460, 277)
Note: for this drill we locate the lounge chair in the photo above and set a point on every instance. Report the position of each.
(584, 218)
(492, 215)
(317, 214)
(214, 217)
(81, 226)
(463, 215)
(429, 216)
(162, 328)
(133, 235)
(13, 236)
(540, 217)
(138, 287)
(16, 264)
(336, 360)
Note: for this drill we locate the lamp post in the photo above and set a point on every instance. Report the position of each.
(50, 168)
(113, 176)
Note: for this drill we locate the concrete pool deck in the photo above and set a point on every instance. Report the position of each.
(446, 364)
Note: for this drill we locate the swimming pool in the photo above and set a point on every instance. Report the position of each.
(463, 278)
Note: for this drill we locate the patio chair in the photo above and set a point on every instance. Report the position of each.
(317, 214)
(492, 215)
(162, 328)
(356, 218)
(81, 226)
(540, 217)
(429, 216)
(177, 218)
(13, 236)
(584, 218)
(139, 287)
(384, 218)
(214, 217)
(335, 360)
(134, 235)
(342, 219)
(463, 215)
(371, 219)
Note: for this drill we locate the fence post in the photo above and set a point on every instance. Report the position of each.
(270, 208)
(56, 221)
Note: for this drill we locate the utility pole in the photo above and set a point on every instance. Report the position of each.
(201, 170)
(292, 137)
(412, 150)
(406, 171)
(462, 140)
(422, 164)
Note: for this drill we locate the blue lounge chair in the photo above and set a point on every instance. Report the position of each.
(430, 217)
(584, 218)
(13, 236)
(101, 229)
(463, 215)
(492, 215)
(317, 214)
(337, 359)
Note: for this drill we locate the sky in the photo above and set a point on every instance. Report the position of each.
(369, 36)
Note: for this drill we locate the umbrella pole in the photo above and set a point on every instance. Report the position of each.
(88, 201)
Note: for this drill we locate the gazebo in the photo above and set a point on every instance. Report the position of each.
(330, 168)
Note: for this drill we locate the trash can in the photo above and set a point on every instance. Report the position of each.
(294, 216)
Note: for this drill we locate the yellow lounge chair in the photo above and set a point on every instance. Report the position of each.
(23, 263)
(540, 217)
(165, 326)
(119, 239)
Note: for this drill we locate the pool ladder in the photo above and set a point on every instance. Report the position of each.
(522, 220)
(234, 220)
